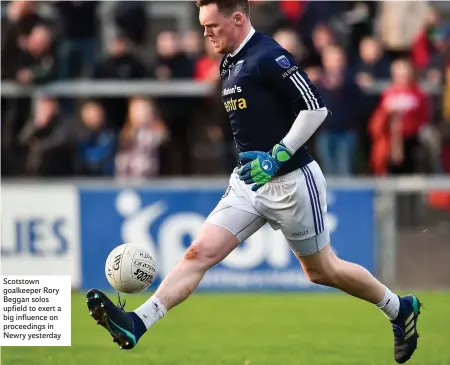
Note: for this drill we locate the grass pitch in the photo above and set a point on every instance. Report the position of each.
(252, 329)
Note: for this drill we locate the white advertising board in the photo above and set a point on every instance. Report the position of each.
(40, 231)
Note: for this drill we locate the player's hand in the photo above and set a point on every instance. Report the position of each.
(259, 167)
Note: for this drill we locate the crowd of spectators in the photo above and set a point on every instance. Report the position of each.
(345, 47)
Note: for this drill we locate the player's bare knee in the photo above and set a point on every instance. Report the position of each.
(322, 277)
(193, 252)
(327, 274)
(201, 253)
(322, 267)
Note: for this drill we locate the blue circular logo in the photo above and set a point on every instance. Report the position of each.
(266, 165)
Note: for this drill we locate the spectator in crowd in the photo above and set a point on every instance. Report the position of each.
(441, 198)
(425, 44)
(373, 64)
(21, 18)
(207, 67)
(211, 114)
(139, 141)
(435, 75)
(396, 123)
(132, 21)
(268, 17)
(359, 17)
(305, 16)
(289, 39)
(435, 70)
(38, 64)
(96, 143)
(79, 46)
(192, 45)
(119, 64)
(293, 11)
(47, 140)
(33, 64)
(337, 139)
(322, 37)
(172, 63)
(32, 60)
(399, 22)
(444, 125)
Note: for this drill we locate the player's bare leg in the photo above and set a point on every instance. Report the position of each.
(213, 244)
(325, 268)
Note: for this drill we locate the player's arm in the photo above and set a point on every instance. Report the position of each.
(282, 74)
(280, 71)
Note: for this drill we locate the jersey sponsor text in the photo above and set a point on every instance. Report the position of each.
(235, 104)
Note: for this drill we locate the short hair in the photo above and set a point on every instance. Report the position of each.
(227, 6)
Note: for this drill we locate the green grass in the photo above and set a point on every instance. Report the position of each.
(250, 329)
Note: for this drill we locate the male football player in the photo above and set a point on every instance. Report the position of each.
(273, 110)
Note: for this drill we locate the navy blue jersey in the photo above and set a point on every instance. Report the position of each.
(263, 90)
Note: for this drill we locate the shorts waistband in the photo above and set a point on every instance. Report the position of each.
(289, 176)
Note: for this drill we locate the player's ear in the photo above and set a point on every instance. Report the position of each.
(238, 18)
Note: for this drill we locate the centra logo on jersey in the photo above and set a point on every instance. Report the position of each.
(235, 104)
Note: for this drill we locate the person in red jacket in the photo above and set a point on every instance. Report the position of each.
(396, 123)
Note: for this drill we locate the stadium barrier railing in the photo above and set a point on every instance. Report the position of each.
(183, 88)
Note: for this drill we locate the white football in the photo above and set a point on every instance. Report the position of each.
(130, 269)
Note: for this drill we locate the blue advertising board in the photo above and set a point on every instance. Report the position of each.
(167, 220)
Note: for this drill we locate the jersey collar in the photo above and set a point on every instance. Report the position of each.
(244, 42)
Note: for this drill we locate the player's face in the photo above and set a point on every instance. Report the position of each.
(220, 29)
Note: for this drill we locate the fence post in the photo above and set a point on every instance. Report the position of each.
(387, 236)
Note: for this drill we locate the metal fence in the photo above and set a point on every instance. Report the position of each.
(185, 88)
(413, 237)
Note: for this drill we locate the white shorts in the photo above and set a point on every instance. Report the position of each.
(294, 203)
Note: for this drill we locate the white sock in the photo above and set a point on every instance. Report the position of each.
(151, 311)
(390, 305)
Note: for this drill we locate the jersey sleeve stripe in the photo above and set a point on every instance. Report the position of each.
(310, 93)
(300, 88)
(296, 76)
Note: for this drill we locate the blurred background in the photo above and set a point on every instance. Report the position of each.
(113, 131)
(115, 107)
